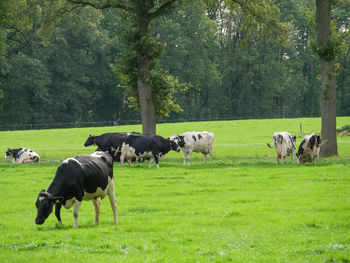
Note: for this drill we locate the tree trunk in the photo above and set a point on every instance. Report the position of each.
(327, 69)
(147, 108)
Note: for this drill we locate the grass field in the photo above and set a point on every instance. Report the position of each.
(241, 208)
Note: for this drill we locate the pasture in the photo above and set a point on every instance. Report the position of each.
(241, 208)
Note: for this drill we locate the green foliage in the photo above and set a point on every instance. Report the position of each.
(331, 49)
(338, 40)
(232, 61)
(165, 87)
(262, 18)
(140, 45)
(345, 128)
(241, 208)
(27, 88)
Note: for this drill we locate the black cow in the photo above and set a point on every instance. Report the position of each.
(152, 146)
(84, 177)
(22, 155)
(109, 142)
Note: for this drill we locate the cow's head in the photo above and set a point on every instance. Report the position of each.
(173, 145)
(90, 141)
(179, 139)
(9, 153)
(315, 139)
(44, 204)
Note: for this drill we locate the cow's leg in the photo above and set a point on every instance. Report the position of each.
(282, 158)
(97, 206)
(292, 157)
(205, 157)
(76, 212)
(58, 212)
(278, 159)
(156, 160)
(317, 156)
(184, 154)
(129, 161)
(211, 154)
(113, 200)
(189, 157)
(284, 155)
(122, 157)
(150, 162)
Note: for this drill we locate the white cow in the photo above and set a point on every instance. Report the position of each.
(22, 155)
(195, 142)
(309, 149)
(284, 145)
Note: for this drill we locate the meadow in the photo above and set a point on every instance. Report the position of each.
(241, 208)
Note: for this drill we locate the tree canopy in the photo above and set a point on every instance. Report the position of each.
(74, 61)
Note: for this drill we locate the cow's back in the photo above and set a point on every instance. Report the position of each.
(141, 143)
(26, 156)
(282, 138)
(83, 174)
(199, 141)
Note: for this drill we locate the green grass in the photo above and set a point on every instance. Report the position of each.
(241, 208)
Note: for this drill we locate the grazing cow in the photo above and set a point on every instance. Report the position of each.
(195, 142)
(108, 141)
(22, 155)
(151, 146)
(309, 149)
(284, 144)
(84, 177)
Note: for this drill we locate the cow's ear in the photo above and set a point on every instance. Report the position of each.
(57, 199)
(312, 139)
(295, 138)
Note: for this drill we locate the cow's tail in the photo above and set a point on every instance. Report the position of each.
(323, 142)
(269, 145)
(116, 151)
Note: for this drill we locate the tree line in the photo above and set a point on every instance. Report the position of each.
(206, 60)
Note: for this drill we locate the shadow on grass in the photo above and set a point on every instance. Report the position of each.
(235, 162)
(197, 164)
(67, 226)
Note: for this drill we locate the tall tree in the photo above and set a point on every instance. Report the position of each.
(327, 50)
(328, 76)
(145, 51)
(144, 48)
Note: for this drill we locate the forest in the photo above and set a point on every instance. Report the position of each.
(69, 66)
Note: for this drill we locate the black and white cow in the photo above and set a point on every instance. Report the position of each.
(22, 155)
(151, 146)
(195, 142)
(309, 149)
(109, 142)
(284, 144)
(84, 177)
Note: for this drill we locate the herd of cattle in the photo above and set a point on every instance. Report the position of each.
(90, 176)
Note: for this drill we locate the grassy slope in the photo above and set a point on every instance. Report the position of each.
(243, 207)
